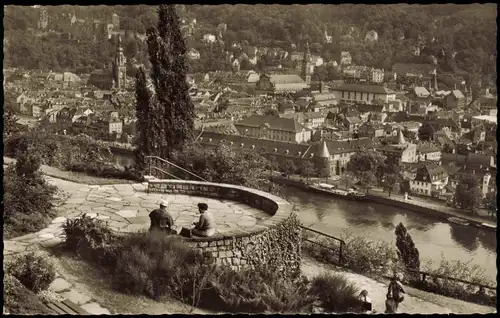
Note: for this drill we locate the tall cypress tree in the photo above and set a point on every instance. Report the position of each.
(144, 143)
(173, 111)
(407, 250)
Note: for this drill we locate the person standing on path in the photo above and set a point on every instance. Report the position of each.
(395, 295)
(161, 218)
(206, 224)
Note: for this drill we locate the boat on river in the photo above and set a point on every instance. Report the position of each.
(331, 190)
(458, 221)
(489, 226)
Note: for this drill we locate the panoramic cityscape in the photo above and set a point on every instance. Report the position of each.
(218, 159)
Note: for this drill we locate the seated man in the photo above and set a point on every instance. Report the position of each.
(161, 218)
(206, 224)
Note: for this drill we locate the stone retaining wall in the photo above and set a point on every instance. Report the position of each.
(275, 241)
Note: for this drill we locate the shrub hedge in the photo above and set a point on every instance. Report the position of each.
(336, 293)
(73, 153)
(34, 270)
(157, 265)
(257, 290)
(91, 239)
(28, 198)
(19, 300)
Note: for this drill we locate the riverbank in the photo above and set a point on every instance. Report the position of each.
(416, 204)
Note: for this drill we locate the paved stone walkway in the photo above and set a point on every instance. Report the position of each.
(126, 208)
(411, 304)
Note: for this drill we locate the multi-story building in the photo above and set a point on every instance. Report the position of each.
(430, 180)
(487, 104)
(314, 120)
(331, 156)
(455, 100)
(345, 58)
(274, 128)
(427, 152)
(280, 83)
(402, 151)
(358, 93)
(377, 75)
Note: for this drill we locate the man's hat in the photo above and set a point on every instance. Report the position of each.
(164, 203)
(203, 206)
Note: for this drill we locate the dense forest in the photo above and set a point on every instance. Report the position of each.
(461, 37)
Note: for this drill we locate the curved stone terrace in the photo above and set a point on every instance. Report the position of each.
(125, 207)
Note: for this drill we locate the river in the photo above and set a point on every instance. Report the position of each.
(375, 221)
(432, 237)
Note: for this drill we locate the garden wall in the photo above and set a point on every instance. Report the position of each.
(275, 241)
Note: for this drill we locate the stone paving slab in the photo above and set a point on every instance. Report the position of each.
(94, 308)
(60, 285)
(76, 297)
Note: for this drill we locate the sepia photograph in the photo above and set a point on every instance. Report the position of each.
(208, 159)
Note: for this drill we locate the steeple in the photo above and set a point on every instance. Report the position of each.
(120, 70)
(306, 65)
(323, 151)
(401, 138)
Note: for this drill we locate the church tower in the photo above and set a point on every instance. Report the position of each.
(306, 65)
(120, 70)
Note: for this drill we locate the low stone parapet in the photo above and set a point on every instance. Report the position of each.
(274, 241)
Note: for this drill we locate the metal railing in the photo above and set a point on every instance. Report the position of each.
(424, 275)
(159, 165)
(338, 251)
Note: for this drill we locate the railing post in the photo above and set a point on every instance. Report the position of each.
(340, 253)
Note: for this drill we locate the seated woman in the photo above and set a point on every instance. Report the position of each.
(206, 224)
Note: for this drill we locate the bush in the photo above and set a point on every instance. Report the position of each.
(359, 254)
(34, 270)
(335, 293)
(19, 300)
(49, 295)
(256, 290)
(106, 171)
(92, 239)
(156, 264)
(28, 198)
(460, 270)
